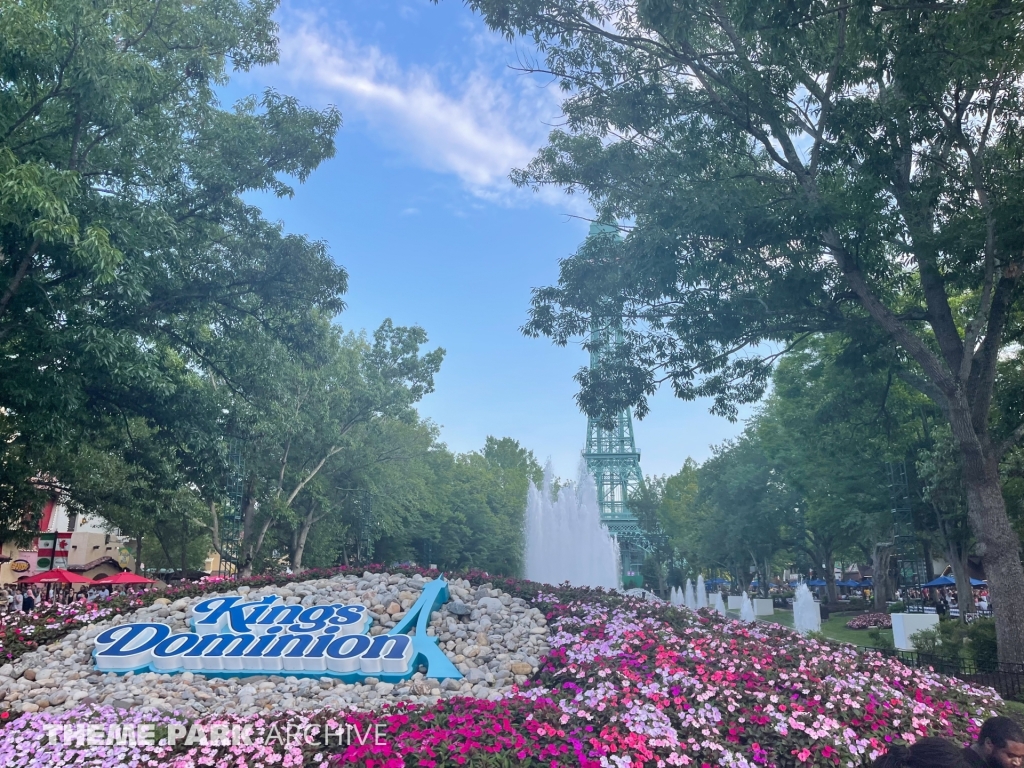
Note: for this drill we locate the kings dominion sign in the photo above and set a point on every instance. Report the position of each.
(231, 638)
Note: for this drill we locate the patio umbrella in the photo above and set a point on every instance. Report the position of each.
(816, 583)
(978, 583)
(56, 576)
(124, 577)
(941, 581)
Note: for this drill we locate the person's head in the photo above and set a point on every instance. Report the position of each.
(932, 752)
(1001, 743)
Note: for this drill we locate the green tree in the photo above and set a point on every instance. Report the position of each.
(829, 430)
(309, 412)
(750, 509)
(678, 497)
(128, 259)
(813, 166)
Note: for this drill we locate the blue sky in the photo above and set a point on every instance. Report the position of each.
(418, 208)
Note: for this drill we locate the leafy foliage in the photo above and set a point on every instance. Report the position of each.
(788, 170)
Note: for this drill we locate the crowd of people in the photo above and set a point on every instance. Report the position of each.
(28, 597)
(1000, 745)
(942, 599)
(945, 599)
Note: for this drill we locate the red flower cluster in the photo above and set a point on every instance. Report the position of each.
(870, 621)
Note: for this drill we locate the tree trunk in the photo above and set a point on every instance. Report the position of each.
(957, 550)
(766, 584)
(929, 561)
(299, 541)
(881, 557)
(830, 578)
(184, 548)
(997, 543)
(957, 555)
(736, 585)
(138, 553)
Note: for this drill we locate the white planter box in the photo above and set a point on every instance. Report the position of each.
(763, 607)
(735, 602)
(904, 625)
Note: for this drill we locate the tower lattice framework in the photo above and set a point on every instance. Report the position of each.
(612, 457)
(911, 568)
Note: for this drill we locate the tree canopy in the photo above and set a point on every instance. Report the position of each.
(786, 169)
(162, 341)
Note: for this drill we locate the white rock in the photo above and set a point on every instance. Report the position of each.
(506, 631)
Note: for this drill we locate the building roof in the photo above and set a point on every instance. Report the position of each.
(105, 560)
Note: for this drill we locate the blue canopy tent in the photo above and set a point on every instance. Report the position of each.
(849, 583)
(940, 581)
(867, 582)
(979, 583)
(816, 583)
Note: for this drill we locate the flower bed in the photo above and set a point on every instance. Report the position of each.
(451, 733)
(24, 632)
(627, 683)
(870, 621)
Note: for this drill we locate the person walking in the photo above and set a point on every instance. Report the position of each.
(1000, 745)
(28, 600)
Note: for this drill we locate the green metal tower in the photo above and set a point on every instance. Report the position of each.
(911, 568)
(612, 457)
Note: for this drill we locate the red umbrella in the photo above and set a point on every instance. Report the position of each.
(56, 576)
(124, 577)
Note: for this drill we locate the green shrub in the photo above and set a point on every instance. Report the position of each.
(881, 639)
(858, 604)
(980, 642)
(953, 641)
(896, 608)
(930, 642)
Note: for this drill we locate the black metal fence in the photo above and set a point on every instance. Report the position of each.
(954, 612)
(1005, 677)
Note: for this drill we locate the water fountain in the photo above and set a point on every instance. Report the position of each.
(806, 612)
(688, 600)
(565, 540)
(676, 596)
(747, 610)
(717, 603)
(702, 593)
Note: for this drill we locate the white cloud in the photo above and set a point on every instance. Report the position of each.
(478, 128)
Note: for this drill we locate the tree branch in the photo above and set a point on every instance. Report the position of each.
(19, 275)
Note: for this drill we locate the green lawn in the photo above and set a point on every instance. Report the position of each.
(834, 628)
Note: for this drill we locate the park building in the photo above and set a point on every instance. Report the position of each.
(85, 544)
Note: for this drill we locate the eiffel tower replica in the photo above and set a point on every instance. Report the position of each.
(612, 457)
